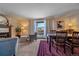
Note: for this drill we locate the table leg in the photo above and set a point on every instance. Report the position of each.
(64, 47)
(72, 50)
(47, 39)
(50, 45)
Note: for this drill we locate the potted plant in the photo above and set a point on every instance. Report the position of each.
(18, 31)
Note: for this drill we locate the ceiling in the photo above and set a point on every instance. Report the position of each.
(37, 10)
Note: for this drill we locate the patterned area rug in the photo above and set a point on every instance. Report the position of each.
(44, 50)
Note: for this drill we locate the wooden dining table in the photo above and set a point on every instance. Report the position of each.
(51, 37)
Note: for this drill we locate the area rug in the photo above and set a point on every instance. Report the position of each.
(44, 50)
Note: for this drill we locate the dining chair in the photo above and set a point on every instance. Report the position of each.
(8, 46)
(51, 35)
(51, 38)
(75, 41)
(33, 37)
(61, 36)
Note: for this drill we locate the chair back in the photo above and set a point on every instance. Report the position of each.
(33, 36)
(75, 37)
(61, 36)
(8, 46)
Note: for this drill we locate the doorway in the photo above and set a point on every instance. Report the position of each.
(40, 28)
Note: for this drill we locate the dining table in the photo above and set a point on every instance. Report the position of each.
(52, 37)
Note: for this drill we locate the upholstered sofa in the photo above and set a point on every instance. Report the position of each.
(8, 46)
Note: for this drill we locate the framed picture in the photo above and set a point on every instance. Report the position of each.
(60, 24)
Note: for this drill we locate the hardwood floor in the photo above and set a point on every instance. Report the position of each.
(26, 48)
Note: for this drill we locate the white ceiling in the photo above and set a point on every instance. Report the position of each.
(37, 10)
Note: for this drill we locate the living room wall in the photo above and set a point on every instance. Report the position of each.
(15, 21)
(69, 20)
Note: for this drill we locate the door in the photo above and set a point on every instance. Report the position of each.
(40, 28)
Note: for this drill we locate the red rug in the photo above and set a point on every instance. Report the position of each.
(44, 50)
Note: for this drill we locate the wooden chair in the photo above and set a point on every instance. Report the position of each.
(51, 38)
(61, 36)
(75, 41)
(51, 35)
(33, 37)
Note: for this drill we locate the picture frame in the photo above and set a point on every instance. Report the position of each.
(60, 24)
